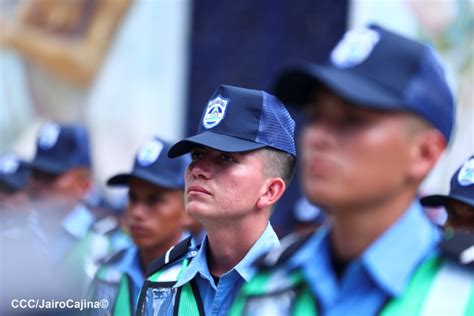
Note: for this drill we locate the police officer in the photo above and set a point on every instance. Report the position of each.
(459, 203)
(14, 175)
(155, 217)
(60, 180)
(242, 161)
(379, 114)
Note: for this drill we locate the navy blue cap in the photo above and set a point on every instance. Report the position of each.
(238, 119)
(376, 68)
(14, 173)
(60, 148)
(461, 188)
(153, 165)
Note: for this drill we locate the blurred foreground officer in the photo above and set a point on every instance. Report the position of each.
(242, 161)
(379, 115)
(459, 203)
(60, 180)
(155, 216)
(15, 208)
(14, 175)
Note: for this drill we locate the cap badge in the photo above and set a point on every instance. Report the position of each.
(355, 47)
(466, 174)
(48, 135)
(215, 112)
(149, 152)
(9, 164)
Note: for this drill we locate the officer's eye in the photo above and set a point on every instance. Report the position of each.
(132, 198)
(197, 154)
(226, 157)
(153, 199)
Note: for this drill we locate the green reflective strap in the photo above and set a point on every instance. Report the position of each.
(470, 305)
(411, 301)
(257, 285)
(188, 305)
(183, 267)
(122, 302)
(305, 305)
(156, 276)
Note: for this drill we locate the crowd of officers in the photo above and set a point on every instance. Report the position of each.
(194, 237)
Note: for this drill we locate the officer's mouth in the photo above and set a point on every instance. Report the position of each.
(138, 230)
(196, 189)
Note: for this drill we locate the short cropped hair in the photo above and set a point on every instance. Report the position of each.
(278, 164)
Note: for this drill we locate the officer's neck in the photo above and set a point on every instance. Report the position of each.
(148, 254)
(228, 244)
(355, 229)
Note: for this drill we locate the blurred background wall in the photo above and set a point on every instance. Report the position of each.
(129, 69)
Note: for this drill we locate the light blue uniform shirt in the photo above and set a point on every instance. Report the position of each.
(383, 271)
(74, 227)
(218, 299)
(130, 265)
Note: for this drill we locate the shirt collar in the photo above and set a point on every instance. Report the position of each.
(78, 221)
(244, 268)
(390, 260)
(393, 257)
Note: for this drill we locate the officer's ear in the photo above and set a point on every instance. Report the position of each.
(428, 145)
(273, 190)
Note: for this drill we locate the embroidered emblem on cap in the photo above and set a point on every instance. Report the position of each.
(48, 135)
(355, 47)
(215, 112)
(9, 164)
(149, 152)
(466, 174)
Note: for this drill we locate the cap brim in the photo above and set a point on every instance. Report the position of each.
(11, 183)
(296, 86)
(48, 166)
(215, 141)
(442, 200)
(123, 179)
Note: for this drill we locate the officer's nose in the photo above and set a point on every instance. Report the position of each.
(200, 168)
(318, 136)
(136, 210)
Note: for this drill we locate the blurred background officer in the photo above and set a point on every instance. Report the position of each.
(380, 114)
(459, 203)
(243, 158)
(155, 217)
(60, 180)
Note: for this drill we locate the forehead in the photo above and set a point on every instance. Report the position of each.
(326, 101)
(137, 186)
(212, 151)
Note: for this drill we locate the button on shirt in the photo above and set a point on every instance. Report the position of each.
(383, 271)
(217, 299)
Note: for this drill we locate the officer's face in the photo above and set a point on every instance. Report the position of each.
(353, 156)
(61, 191)
(460, 215)
(221, 185)
(155, 215)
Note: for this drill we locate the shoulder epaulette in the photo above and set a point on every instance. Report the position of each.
(289, 245)
(105, 225)
(171, 256)
(459, 246)
(114, 257)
